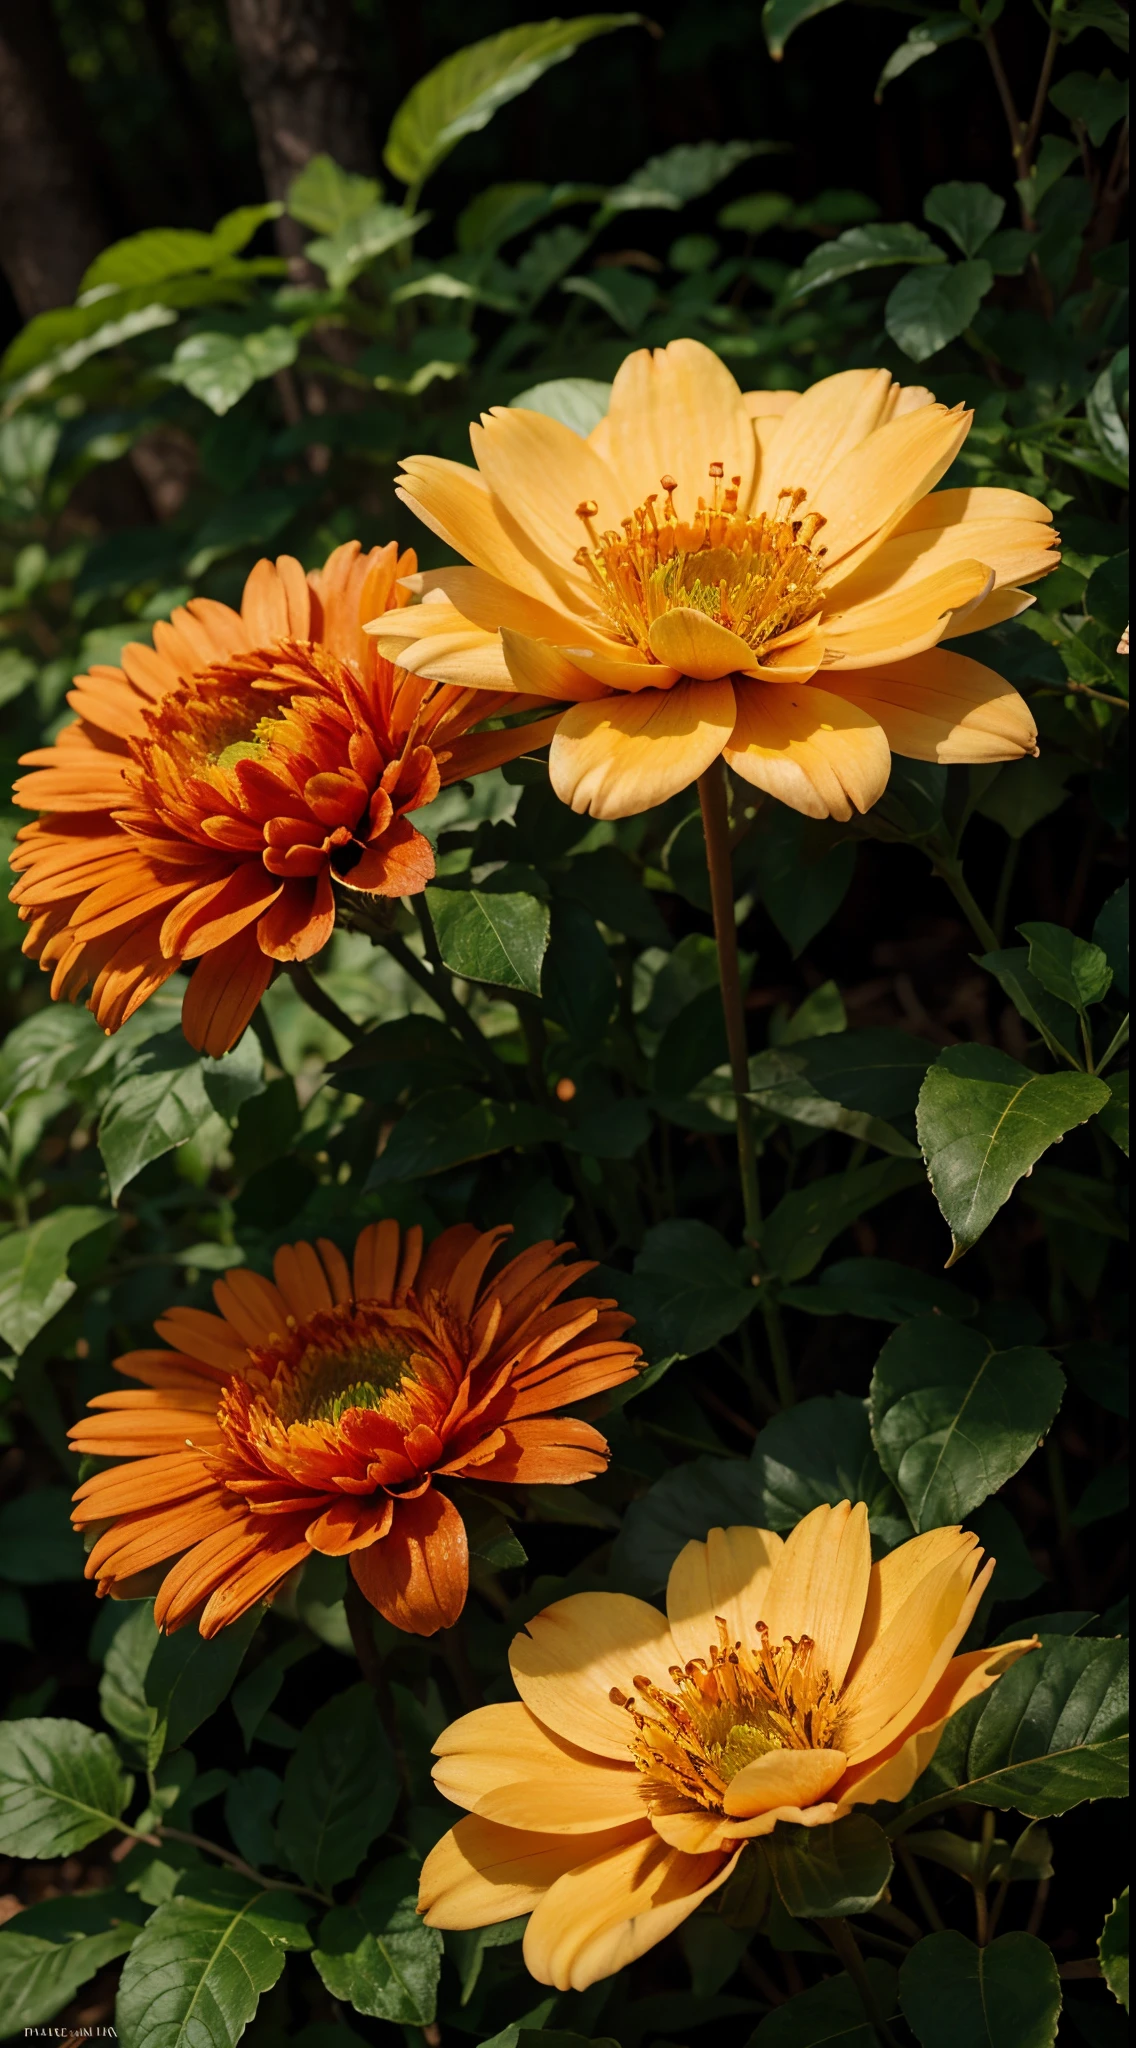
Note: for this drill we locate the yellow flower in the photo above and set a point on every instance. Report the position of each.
(788, 1681)
(762, 576)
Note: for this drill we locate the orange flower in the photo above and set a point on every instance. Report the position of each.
(787, 1681)
(762, 576)
(318, 1414)
(214, 787)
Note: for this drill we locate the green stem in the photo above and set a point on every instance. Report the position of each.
(716, 830)
(436, 981)
(1116, 1044)
(156, 1836)
(325, 1006)
(918, 1885)
(844, 1942)
(778, 1350)
(950, 871)
(1005, 880)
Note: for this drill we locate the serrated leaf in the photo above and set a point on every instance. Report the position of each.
(38, 1978)
(483, 936)
(927, 309)
(953, 1419)
(968, 212)
(1113, 1949)
(780, 17)
(687, 1291)
(955, 1995)
(686, 172)
(61, 1786)
(219, 368)
(195, 1975)
(1051, 1733)
(378, 1955)
(463, 92)
(47, 1049)
(1072, 969)
(805, 1221)
(34, 1281)
(362, 240)
(818, 1453)
(878, 246)
(826, 1872)
(161, 1095)
(983, 1121)
(340, 1789)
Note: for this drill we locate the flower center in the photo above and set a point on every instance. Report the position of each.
(351, 1365)
(758, 577)
(726, 1710)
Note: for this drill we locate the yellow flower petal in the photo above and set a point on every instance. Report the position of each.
(819, 1585)
(943, 707)
(569, 1657)
(869, 490)
(834, 417)
(1018, 551)
(481, 1873)
(891, 1775)
(539, 472)
(627, 754)
(762, 405)
(486, 601)
(897, 626)
(502, 1763)
(904, 1664)
(685, 639)
(673, 412)
(533, 665)
(456, 504)
(973, 502)
(600, 1916)
(989, 611)
(785, 1777)
(815, 752)
(894, 1578)
(727, 1576)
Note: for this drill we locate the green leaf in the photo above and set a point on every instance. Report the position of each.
(686, 172)
(61, 1786)
(1051, 1733)
(1097, 103)
(928, 309)
(122, 1687)
(953, 1419)
(1106, 417)
(687, 1291)
(683, 1506)
(1113, 1118)
(38, 1978)
(485, 936)
(955, 1995)
(161, 1095)
(1113, 1949)
(454, 1125)
(578, 980)
(378, 1955)
(818, 1453)
(362, 240)
(821, 1015)
(830, 2014)
(875, 247)
(1033, 1002)
(805, 1221)
(969, 213)
(196, 1973)
(826, 1872)
(463, 92)
(48, 1049)
(923, 39)
(150, 258)
(340, 1789)
(1072, 969)
(802, 874)
(325, 197)
(983, 1121)
(877, 1071)
(251, 1801)
(626, 296)
(1107, 596)
(220, 368)
(780, 17)
(883, 1290)
(607, 884)
(780, 1085)
(34, 1281)
(188, 1676)
(38, 1546)
(577, 402)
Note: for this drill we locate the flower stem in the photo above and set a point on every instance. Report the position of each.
(950, 872)
(716, 830)
(844, 1942)
(325, 1006)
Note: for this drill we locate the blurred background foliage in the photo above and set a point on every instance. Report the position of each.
(245, 273)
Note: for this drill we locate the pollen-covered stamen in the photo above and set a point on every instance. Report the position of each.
(726, 1710)
(759, 577)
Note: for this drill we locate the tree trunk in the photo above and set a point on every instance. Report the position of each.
(304, 88)
(51, 224)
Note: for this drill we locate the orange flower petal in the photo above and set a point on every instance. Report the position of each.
(418, 1575)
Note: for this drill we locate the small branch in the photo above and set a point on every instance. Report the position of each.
(918, 1885)
(716, 831)
(1037, 114)
(325, 1006)
(950, 872)
(160, 1834)
(1116, 1044)
(1009, 108)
